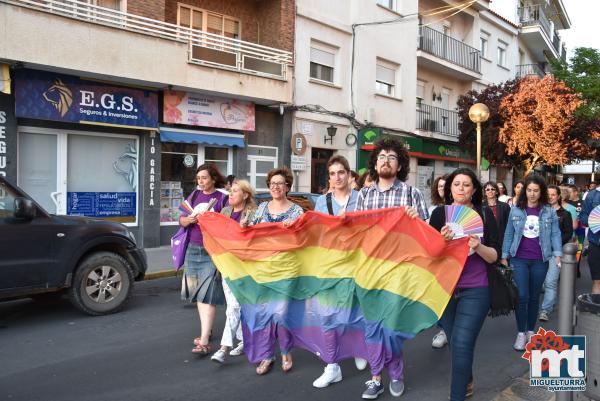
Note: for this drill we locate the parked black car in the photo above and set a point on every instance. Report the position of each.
(305, 200)
(41, 254)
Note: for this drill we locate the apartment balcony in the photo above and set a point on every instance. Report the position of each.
(445, 54)
(529, 70)
(437, 121)
(72, 36)
(537, 31)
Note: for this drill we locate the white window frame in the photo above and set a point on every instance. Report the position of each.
(252, 174)
(422, 97)
(484, 44)
(205, 13)
(501, 55)
(334, 51)
(395, 82)
(62, 159)
(389, 4)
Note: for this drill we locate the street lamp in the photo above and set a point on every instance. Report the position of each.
(479, 113)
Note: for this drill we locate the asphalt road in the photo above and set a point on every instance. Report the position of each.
(51, 352)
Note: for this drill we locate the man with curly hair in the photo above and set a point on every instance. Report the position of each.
(388, 167)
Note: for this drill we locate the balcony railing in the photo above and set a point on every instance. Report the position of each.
(556, 42)
(435, 119)
(450, 49)
(535, 15)
(204, 48)
(528, 70)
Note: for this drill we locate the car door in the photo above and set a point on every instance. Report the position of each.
(26, 246)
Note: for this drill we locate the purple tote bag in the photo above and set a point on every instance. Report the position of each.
(180, 241)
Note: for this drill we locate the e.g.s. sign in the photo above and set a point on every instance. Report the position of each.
(49, 96)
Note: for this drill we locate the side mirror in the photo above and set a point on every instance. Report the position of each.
(24, 208)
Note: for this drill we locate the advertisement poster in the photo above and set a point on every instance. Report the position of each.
(50, 96)
(102, 204)
(208, 111)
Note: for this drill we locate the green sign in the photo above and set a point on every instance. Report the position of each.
(446, 150)
(367, 136)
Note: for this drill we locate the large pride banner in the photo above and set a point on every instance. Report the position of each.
(338, 287)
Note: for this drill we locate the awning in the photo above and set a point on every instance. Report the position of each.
(168, 134)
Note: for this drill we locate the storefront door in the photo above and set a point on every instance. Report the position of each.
(319, 175)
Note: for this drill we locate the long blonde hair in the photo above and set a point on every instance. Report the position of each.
(247, 188)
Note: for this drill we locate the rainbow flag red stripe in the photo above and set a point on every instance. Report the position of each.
(339, 287)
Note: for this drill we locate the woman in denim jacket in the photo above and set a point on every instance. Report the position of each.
(532, 237)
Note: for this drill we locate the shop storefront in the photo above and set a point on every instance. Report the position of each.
(197, 129)
(87, 148)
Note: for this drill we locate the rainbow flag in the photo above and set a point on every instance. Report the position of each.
(338, 287)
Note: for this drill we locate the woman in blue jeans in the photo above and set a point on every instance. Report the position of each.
(464, 316)
(531, 239)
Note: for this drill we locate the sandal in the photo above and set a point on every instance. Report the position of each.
(198, 340)
(264, 367)
(286, 366)
(202, 349)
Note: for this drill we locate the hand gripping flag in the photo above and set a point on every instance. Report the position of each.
(356, 286)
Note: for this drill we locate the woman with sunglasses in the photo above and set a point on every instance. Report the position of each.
(278, 210)
(501, 210)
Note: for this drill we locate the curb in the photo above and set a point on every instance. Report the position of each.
(160, 274)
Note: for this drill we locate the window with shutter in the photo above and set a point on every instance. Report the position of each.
(214, 24)
(385, 78)
(322, 64)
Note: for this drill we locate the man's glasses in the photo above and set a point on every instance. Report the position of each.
(490, 189)
(389, 158)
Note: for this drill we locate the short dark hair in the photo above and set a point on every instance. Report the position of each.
(230, 179)
(515, 185)
(477, 196)
(363, 179)
(340, 160)
(354, 175)
(214, 173)
(388, 143)
(286, 173)
(494, 185)
(556, 188)
(537, 180)
(436, 199)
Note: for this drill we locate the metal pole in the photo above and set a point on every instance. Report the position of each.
(566, 301)
(479, 151)
(593, 169)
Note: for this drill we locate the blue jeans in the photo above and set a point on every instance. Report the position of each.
(462, 321)
(550, 285)
(529, 275)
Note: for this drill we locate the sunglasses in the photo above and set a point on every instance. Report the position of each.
(490, 189)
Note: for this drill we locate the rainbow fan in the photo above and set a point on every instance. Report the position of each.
(463, 221)
(185, 207)
(594, 220)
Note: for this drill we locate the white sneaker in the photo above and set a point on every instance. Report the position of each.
(360, 363)
(218, 356)
(520, 342)
(396, 388)
(239, 350)
(439, 340)
(529, 335)
(331, 374)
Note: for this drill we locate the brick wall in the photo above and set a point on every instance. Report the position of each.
(154, 9)
(267, 22)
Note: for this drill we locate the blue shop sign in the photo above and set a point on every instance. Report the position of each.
(101, 204)
(49, 96)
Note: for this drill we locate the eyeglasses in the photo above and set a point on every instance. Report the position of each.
(276, 184)
(389, 158)
(490, 189)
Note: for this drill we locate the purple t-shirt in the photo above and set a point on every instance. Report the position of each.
(529, 247)
(196, 233)
(236, 215)
(474, 273)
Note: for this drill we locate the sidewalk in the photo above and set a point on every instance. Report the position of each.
(159, 262)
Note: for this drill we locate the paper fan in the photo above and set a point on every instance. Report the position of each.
(594, 220)
(185, 207)
(463, 221)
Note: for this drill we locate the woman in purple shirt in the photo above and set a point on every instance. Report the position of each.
(465, 313)
(201, 282)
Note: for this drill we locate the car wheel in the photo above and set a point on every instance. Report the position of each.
(102, 284)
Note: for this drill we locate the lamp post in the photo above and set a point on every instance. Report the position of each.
(479, 113)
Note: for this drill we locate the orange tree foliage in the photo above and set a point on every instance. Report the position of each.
(539, 118)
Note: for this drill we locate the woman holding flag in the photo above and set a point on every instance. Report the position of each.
(201, 282)
(465, 313)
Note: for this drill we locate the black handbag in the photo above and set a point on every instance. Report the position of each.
(504, 294)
